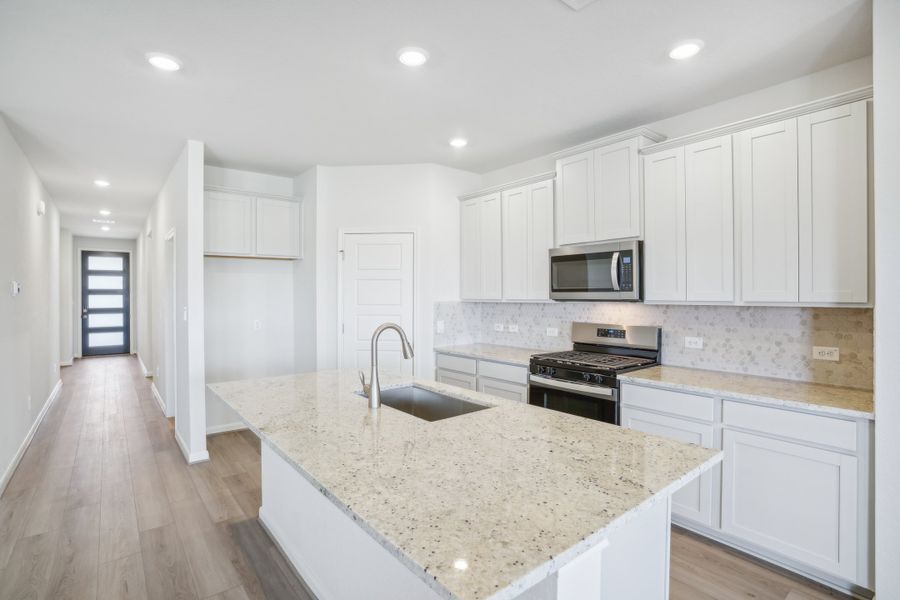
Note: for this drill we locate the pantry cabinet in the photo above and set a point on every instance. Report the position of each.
(527, 216)
(243, 224)
(481, 248)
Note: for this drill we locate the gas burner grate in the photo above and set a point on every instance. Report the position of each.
(597, 359)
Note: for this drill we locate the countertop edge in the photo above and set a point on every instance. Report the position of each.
(636, 379)
(449, 350)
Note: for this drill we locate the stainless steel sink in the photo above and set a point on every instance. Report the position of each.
(426, 404)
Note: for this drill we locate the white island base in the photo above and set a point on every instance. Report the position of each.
(341, 558)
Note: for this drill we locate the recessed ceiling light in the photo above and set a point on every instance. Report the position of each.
(686, 49)
(412, 57)
(164, 62)
(105, 212)
(101, 183)
(459, 142)
(104, 228)
(104, 221)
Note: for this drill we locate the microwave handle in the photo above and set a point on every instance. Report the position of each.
(614, 271)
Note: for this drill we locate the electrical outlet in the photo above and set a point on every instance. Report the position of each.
(257, 325)
(15, 288)
(513, 328)
(439, 327)
(693, 342)
(498, 326)
(826, 353)
(552, 332)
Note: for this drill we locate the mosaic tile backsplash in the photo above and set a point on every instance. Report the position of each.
(765, 341)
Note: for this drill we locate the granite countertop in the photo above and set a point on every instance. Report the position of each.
(506, 354)
(516, 490)
(849, 402)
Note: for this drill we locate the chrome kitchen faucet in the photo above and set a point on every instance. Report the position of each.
(372, 390)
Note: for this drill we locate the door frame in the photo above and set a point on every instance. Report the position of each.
(339, 258)
(170, 342)
(76, 290)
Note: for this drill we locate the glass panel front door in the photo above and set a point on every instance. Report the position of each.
(105, 303)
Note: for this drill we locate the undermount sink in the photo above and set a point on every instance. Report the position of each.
(427, 405)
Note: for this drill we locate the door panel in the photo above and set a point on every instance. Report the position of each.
(105, 312)
(664, 233)
(575, 202)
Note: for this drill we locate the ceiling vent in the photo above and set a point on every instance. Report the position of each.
(577, 4)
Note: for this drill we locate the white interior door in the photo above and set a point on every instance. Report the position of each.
(377, 286)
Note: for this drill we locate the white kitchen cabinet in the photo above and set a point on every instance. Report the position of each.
(228, 224)
(833, 204)
(766, 188)
(527, 238)
(665, 276)
(481, 248)
(488, 376)
(462, 380)
(575, 199)
(709, 221)
(277, 228)
(698, 499)
(503, 389)
(796, 500)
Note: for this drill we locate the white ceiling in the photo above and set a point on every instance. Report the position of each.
(279, 85)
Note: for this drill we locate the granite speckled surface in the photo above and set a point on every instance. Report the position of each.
(780, 392)
(517, 491)
(512, 355)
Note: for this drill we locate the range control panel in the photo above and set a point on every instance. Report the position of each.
(611, 333)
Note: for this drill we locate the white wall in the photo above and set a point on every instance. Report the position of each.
(887, 291)
(29, 322)
(66, 298)
(178, 210)
(80, 243)
(305, 353)
(239, 293)
(848, 76)
(420, 198)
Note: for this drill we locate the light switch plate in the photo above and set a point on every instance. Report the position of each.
(513, 328)
(439, 327)
(552, 332)
(693, 342)
(498, 326)
(826, 353)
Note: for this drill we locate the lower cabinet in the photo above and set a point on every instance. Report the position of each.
(462, 380)
(495, 378)
(695, 501)
(504, 389)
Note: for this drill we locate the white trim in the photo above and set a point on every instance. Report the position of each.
(66, 364)
(13, 465)
(77, 298)
(539, 178)
(242, 192)
(863, 93)
(192, 459)
(144, 369)
(611, 139)
(236, 426)
(159, 400)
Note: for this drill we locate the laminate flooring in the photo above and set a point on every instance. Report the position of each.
(103, 506)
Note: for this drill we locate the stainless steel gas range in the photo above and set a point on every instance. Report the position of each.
(583, 381)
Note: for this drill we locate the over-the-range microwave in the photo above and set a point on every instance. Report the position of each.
(596, 272)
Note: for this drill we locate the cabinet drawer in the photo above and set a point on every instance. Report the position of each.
(701, 408)
(795, 425)
(503, 389)
(456, 363)
(458, 379)
(504, 372)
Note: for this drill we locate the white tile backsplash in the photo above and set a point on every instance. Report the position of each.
(765, 341)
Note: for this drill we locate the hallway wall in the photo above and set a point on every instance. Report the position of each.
(29, 321)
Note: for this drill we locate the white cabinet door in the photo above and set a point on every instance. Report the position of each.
(834, 220)
(697, 500)
(617, 191)
(795, 500)
(540, 239)
(458, 379)
(503, 389)
(227, 223)
(767, 194)
(277, 228)
(491, 231)
(709, 221)
(664, 235)
(575, 199)
(516, 246)
(470, 249)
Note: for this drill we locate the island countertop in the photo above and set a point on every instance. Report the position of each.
(518, 491)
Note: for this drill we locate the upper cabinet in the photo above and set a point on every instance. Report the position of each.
(247, 225)
(598, 191)
(480, 248)
(664, 235)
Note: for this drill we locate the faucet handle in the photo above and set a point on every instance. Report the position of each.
(366, 387)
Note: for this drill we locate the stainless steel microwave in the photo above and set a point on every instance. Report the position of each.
(597, 272)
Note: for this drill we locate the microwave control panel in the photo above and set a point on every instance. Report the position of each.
(627, 283)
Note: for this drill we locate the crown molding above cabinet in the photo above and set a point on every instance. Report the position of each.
(547, 175)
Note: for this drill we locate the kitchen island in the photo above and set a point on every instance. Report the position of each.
(514, 501)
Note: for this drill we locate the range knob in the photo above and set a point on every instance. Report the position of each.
(551, 371)
(542, 370)
(586, 376)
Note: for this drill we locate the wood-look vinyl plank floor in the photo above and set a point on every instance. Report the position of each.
(103, 506)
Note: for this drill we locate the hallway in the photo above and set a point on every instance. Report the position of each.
(103, 504)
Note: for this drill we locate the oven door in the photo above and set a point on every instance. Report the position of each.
(590, 401)
(595, 272)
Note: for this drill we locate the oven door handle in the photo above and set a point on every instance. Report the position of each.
(595, 391)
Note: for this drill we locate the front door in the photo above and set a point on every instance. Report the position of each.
(105, 303)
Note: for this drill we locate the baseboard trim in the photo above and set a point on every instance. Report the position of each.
(143, 367)
(159, 400)
(14, 464)
(66, 364)
(236, 426)
(191, 458)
